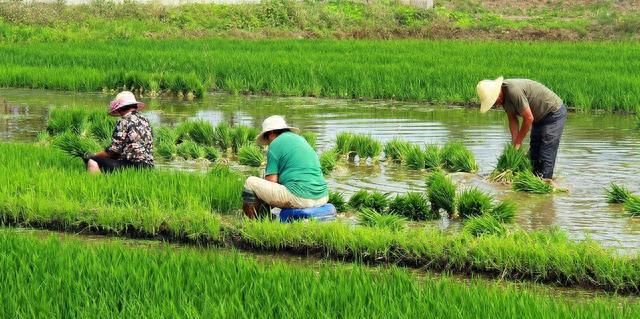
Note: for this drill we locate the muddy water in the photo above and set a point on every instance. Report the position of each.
(595, 149)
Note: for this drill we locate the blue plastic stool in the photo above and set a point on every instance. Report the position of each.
(324, 213)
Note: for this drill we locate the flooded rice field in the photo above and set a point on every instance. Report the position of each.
(595, 149)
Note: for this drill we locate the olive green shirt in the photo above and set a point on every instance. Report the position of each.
(520, 93)
(297, 166)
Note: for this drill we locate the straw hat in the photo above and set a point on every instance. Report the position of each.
(488, 92)
(123, 99)
(273, 123)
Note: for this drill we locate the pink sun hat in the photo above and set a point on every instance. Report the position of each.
(123, 99)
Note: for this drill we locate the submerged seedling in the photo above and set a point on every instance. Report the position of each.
(505, 211)
(632, 205)
(457, 158)
(413, 206)
(526, 181)
(375, 200)
(474, 202)
(395, 149)
(441, 192)
(617, 194)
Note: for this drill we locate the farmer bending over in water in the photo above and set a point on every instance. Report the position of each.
(293, 178)
(131, 141)
(541, 110)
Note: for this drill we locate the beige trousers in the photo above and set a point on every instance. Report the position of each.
(279, 196)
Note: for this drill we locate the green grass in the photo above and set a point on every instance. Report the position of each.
(484, 224)
(617, 194)
(60, 194)
(371, 218)
(412, 205)
(340, 69)
(458, 158)
(511, 162)
(251, 155)
(441, 192)
(473, 202)
(165, 282)
(526, 181)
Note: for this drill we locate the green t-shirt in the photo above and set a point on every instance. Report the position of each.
(297, 166)
(522, 92)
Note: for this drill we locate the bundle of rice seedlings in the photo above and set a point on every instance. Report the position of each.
(412, 205)
(432, 157)
(510, 162)
(101, 126)
(310, 137)
(202, 132)
(337, 200)
(395, 149)
(164, 134)
(344, 143)
(414, 157)
(526, 181)
(328, 160)
(617, 194)
(484, 225)
(505, 211)
(375, 200)
(182, 131)
(223, 136)
(74, 144)
(371, 218)
(474, 202)
(165, 149)
(366, 147)
(441, 192)
(211, 153)
(632, 205)
(190, 150)
(62, 120)
(43, 138)
(242, 135)
(251, 155)
(457, 158)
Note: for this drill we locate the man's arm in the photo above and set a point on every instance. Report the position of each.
(513, 126)
(527, 121)
(272, 178)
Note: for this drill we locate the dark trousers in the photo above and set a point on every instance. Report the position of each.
(545, 141)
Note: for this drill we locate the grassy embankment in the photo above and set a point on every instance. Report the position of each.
(434, 71)
(44, 188)
(68, 278)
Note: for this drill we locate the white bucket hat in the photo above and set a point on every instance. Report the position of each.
(123, 99)
(488, 92)
(273, 123)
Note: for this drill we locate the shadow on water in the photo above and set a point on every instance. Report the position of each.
(595, 149)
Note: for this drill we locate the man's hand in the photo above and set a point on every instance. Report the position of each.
(517, 145)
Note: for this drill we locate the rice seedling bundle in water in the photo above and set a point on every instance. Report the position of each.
(223, 136)
(211, 153)
(165, 149)
(414, 157)
(190, 150)
(366, 147)
(457, 158)
(311, 138)
(344, 143)
(511, 162)
(484, 225)
(474, 202)
(441, 192)
(432, 157)
(164, 134)
(395, 149)
(102, 126)
(328, 160)
(632, 205)
(526, 181)
(75, 145)
(375, 200)
(337, 200)
(413, 206)
(251, 155)
(372, 218)
(74, 120)
(202, 132)
(505, 211)
(242, 135)
(617, 194)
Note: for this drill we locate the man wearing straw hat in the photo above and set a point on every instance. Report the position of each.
(131, 141)
(541, 110)
(293, 178)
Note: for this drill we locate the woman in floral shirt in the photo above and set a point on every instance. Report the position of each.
(131, 141)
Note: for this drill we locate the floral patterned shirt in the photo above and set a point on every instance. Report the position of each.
(132, 139)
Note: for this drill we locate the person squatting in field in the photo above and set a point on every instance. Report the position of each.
(541, 110)
(131, 141)
(293, 177)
